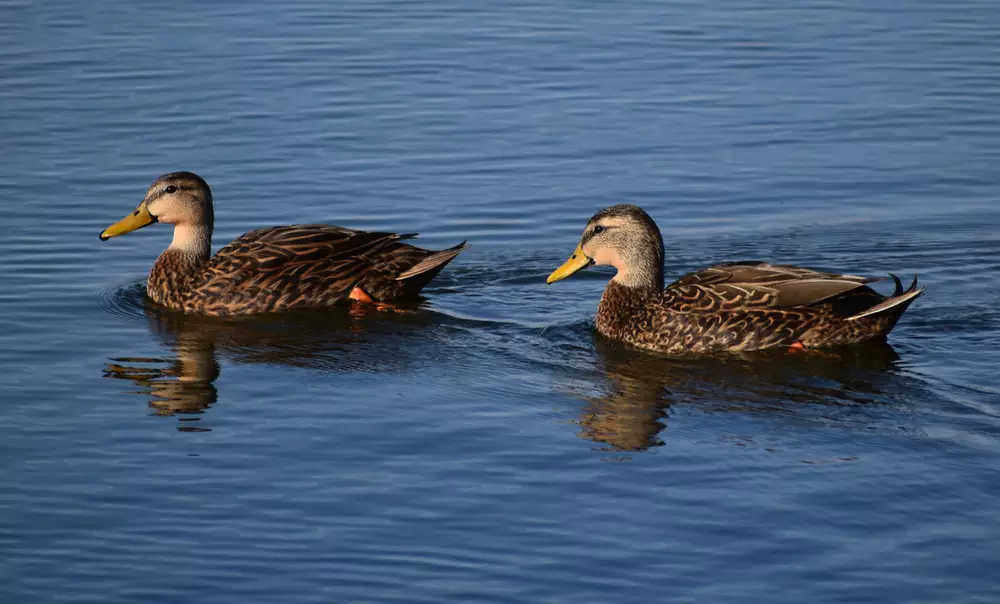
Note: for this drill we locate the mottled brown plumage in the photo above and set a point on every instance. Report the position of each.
(728, 307)
(273, 269)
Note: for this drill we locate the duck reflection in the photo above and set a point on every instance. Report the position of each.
(361, 338)
(640, 389)
(184, 386)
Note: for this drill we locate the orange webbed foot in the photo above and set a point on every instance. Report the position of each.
(800, 348)
(360, 295)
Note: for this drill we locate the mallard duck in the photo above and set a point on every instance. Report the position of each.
(727, 307)
(273, 269)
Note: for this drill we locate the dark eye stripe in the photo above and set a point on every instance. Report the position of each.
(170, 190)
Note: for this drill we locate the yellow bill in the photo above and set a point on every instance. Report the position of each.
(577, 262)
(134, 221)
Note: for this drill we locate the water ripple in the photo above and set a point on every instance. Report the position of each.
(490, 446)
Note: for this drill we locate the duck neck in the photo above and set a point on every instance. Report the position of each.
(639, 271)
(173, 271)
(192, 239)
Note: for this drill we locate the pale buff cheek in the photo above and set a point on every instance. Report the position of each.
(606, 256)
(172, 214)
(611, 257)
(161, 211)
(173, 210)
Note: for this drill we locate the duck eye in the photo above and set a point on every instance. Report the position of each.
(171, 189)
(598, 229)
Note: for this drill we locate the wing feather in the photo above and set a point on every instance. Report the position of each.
(293, 265)
(739, 285)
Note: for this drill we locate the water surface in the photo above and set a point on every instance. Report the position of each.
(489, 447)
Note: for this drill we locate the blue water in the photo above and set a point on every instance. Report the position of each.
(491, 447)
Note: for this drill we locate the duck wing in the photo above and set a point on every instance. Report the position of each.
(756, 285)
(288, 267)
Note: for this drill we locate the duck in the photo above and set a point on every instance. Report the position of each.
(729, 307)
(272, 269)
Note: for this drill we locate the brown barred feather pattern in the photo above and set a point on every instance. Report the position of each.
(289, 268)
(749, 306)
